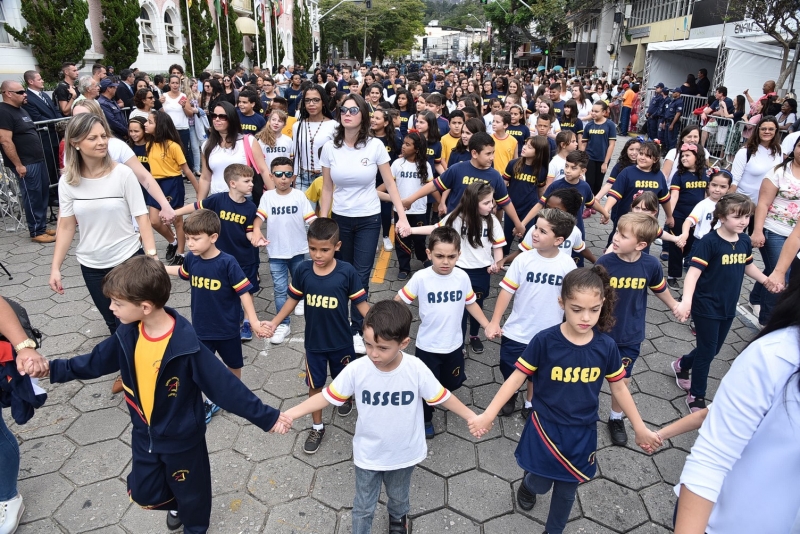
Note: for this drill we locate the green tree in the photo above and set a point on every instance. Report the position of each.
(236, 39)
(120, 43)
(303, 45)
(204, 35)
(56, 32)
(262, 44)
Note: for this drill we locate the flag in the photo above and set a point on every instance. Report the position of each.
(218, 8)
(277, 8)
(259, 6)
(225, 7)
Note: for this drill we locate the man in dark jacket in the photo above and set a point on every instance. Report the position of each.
(114, 115)
(41, 107)
(125, 88)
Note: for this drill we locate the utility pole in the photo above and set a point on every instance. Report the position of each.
(365, 40)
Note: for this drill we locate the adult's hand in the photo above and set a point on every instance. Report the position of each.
(30, 362)
(21, 171)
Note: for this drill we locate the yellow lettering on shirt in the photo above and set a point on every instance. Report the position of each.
(470, 180)
(585, 375)
(320, 301)
(652, 184)
(206, 283)
(734, 259)
(594, 131)
(525, 177)
(249, 127)
(627, 282)
(232, 217)
(695, 185)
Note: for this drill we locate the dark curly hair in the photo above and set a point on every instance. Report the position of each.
(593, 279)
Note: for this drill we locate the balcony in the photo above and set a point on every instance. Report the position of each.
(242, 6)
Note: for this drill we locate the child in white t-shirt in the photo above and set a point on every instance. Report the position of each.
(288, 211)
(444, 293)
(387, 386)
(719, 182)
(534, 279)
(566, 142)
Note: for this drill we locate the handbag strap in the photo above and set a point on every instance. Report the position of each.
(248, 151)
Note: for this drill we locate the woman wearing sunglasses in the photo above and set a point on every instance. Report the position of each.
(229, 92)
(349, 166)
(314, 128)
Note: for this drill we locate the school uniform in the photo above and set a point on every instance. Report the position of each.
(406, 176)
(691, 190)
(598, 137)
(523, 189)
(251, 124)
(459, 176)
(444, 125)
(632, 182)
(458, 157)
(405, 116)
(141, 154)
(588, 201)
(574, 125)
(520, 133)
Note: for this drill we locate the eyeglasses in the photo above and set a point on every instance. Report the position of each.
(767, 130)
(226, 80)
(283, 174)
(151, 97)
(20, 92)
(349, 111)
(312, 100)
(221, 116)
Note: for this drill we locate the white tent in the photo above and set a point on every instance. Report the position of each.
(745, 64)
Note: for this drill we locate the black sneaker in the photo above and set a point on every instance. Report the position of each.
(673, 283)
(402, 275)
(345, 409)
(173, 521)
(525, 413)
(616, 428)
(171, 250)
(509, 407)
(475, 345)
(525, 499)
(313, 441)
(177, 260)
(399, 525)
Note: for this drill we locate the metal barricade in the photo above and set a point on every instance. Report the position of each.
(720, 136)
(10, 201)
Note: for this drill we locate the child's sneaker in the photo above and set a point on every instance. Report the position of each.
(695, 404)
(616, 429)
(171, 250)
(280, 334)
(11, 513)
(429, 430)
(313, 441)
(682, 377)
(246, 332)
(300, 309)
(587, 213)
(387, 244)
(525, 412)
(358, 344)
(673, 283)
(525, 499)
(211, 409)
(475, 345)
(399, 525)
(173, 521)
(345, 409)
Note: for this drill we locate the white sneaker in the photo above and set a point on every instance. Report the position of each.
(387, 244)
(280, 334)
(756, 308)
(300, 309)
(10, 514)
(358, 344)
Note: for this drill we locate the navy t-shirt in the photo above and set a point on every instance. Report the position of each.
(558, 108)
(722, 264)
(458, 177)
(404, 118)
(521, 133)
(522, 186)
(444, 125)
(598, 137)
(458, 157)
(327, 313)
(389, 87)
(251, 124)
(217, 284)
(691, 190)
(575, 125)
(631, 280)
(292, 96)
(393, 154)
(141, 155)
(236, 219)
(632, 182)
(582, 187)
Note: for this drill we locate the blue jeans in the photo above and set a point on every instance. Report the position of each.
(711, 334)
(770, 253)
(280, 269)
(368, 488)
(359, 237)
(196, 143)
(560, 502)
(93, 278)
(35, 192)
(9, 462)
(624, 120)
(186, 141)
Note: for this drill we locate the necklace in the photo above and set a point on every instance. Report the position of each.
(311, 141)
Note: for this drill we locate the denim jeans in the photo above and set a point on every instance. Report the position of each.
(624, 120)
(280, 269)
(359, 237)
(196, 143)
(9, 462)
(186, 141)
(770, 253)
(368, 488)
(711, 334)
(35, 192)
(560, 502)
(93, 278)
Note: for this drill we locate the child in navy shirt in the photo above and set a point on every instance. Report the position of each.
(632, 272)
(525, 175)
(249, 110)
(567, 363)
(327, 286)
(599, 139)
(711, 291)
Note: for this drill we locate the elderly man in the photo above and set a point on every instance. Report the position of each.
(23, 154)
(88, 88)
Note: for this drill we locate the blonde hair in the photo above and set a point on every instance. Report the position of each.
(92, 105)
(77, 130)
(643, 226)
(266, 135)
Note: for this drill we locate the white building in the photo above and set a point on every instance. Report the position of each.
(442, 44)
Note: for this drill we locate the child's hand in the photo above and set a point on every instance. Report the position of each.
(493, 268)
(402, 228)
(682, 311)
(480, 425)
(519, 230)
(776, 282)
(681, 242)
(604, 219)
(648, 440)
(268, 328)
(282, 425)
(492, 331)
(261, 330)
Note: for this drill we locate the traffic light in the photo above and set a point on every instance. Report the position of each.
(316, 46)
(369, 4)
(546, 50)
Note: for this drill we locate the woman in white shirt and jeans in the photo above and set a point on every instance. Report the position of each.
(179, 108)
(349, 165)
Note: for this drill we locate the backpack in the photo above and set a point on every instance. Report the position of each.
(25, 321)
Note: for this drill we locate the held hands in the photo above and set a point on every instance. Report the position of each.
(480, 425)
(492, 330)
(283, 424)
(681, 242)
(402, 228)
(33, 364)
(167, 214)
(268, 328)
(776, 282)
(603, 219)
(261, 330)
(648, 440)
(494, 267)
(682, 311)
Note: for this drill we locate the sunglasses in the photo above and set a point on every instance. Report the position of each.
(283, 174)
(20, 92)
(150, 98)
(226, 80)
(349, 111)
(221, 116)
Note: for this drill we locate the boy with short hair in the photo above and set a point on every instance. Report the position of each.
(434, 102)
(247, 105)
(444, 293)
(165, 371)
(505, 146)
(543, 126)
(451, 139)
(288, 211)
(389, 386)
(327, 286)
(534, 280)
(631, 274)
(236, 215)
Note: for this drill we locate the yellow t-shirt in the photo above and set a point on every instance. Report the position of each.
(314, 193)
(147, 361)
(165, 163)
(504, 151)
(287, 130)
(448, 144)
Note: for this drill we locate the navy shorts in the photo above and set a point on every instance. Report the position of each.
(173, 189)
(510, 351)
(447, 368)
(629, 354)
(317, 364)
(230, 350)
(251, 272)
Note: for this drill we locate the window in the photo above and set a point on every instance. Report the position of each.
(146, 29)
(172, 37)
(4, 39)
(594, 23)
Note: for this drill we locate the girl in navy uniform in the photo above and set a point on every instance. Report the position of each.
(717, 268)
(428, 127)
(567, 364)
(517, 129)
(136, 140)
(525, 175)
(403, 103)
(627, 158)
(461, 151)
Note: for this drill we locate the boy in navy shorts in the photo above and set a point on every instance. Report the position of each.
(236, 214)
(327, 286)
(219, 290)
(631, 274)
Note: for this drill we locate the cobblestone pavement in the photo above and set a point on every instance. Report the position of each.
(75, 452)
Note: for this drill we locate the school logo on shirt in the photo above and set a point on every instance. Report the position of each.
(283, 210)
(575, 374)
(206, 283)
(471, 179)
(695, 185)
(595, 131)
(435, 297)
(249, 127)
(319, 301)
(172, 386)
(646, 183)
(734, 259)
(525, 177)
(544, 278)
(364, 162)
(275, 149)
(180, 475)
(395, 398)
(232, 217)
(628, 282)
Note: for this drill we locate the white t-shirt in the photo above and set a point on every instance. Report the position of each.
(218, 161)
(407, 178)
(283, 148)
(380, 397)
(574, 243)
(787, 147)
(535, 282)
(556, 167)
(475, 258)
(702, 215)
(674, 157)
(103, 207)
(442, 300)
(584, 110)
(139, 113)
(173, 108)
(748, 175)
(783, 213)
(353, 172)
(286, 216)
(320, 133)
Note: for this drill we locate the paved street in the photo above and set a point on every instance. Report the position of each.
(75, 452)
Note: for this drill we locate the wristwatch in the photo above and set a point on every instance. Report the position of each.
(27, 344)
(151, 252)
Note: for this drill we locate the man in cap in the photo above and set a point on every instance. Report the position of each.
(673, 109)
(114, 116)
(655, 110)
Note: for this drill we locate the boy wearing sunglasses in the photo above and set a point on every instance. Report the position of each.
(287, 211)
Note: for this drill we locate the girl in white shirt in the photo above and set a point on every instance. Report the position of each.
(690, 135)
(566, 142)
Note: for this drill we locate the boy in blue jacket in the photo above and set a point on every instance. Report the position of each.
(165, 370)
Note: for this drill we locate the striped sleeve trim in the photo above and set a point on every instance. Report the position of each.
(700, 262)
(407, 296)
(438, 184)
(439, 398)
(294, 293)
(358, 294)
(523, 246)
(661, 286)
(579, 248)
(500, 243)
(617, 375)
(502, 201)
(310, 216)
(183, 273)
(525, 367)
(335, 395)
(664, 199)
(242, 286)
(611, 179)
(590, 203)
(249, 228)
(693, 218)
(749, 260)
(508, 285)
(470, 298)
(615, 194)
(198, 205)
(674, 188)
(506, 177)
(262, 215)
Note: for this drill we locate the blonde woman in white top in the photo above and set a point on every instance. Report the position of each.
(179, 108)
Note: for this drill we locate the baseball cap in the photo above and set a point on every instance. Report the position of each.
(105, 83)
(660, 85)
(677, 90)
